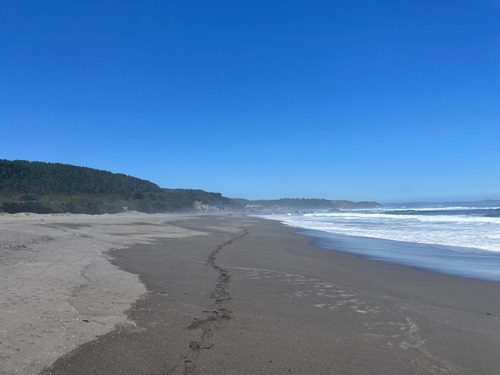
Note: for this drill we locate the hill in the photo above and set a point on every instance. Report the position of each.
(288, 205)
(54, 188)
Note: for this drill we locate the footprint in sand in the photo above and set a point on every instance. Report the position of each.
(330, 296)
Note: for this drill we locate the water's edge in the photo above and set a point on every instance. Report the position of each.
(447, 260)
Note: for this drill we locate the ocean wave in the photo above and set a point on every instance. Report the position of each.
(421, 218)
(467, 212)
(451, 208)
(474, 232)
(493, 213)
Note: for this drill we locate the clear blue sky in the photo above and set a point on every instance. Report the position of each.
(384, 100)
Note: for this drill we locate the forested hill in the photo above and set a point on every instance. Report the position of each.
(311, 204)
(53, 178)
(55, 188)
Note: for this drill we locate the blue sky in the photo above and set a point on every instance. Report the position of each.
(367, 100)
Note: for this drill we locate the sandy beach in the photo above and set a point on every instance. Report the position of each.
(59, 289)
(166, 294)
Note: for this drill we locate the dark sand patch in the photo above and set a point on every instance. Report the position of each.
(74, 225)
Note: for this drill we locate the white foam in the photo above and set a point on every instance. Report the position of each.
(474, 232)
(451, 208)
(420, 218)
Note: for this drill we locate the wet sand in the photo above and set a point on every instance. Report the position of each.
(248, 296)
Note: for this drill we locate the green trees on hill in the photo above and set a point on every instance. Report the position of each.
(52, 187)
(55, 188)
(54, 178)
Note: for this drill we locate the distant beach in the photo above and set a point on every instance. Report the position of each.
(226, 295)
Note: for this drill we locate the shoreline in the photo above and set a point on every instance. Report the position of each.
(473, 263)
(253, 297)
(429, 260)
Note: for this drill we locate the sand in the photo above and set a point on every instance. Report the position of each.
(231, 295)
(58, 287)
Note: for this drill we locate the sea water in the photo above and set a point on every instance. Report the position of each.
(451, 240)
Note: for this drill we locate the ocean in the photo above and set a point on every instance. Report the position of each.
(458, 241)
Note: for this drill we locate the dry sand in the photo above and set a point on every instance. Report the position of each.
(58, 288)
(247, 297)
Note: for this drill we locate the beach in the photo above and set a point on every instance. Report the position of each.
(58, 287)
(178, 294)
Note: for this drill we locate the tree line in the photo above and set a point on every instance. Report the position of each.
(54, 188)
